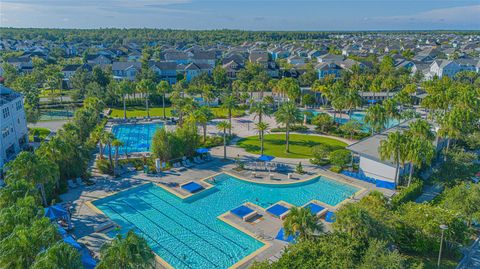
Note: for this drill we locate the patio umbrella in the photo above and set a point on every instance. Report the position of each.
(202, 150)
(265, 158)
(55, 212)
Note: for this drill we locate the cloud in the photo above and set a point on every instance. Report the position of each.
(464, 15)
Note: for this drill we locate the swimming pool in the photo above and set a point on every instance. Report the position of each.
(358, 116)
(187, 233)
(135, 137)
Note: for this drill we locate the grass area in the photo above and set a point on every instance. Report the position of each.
(300, 145)
(140, 111)
(41, 132)
(431, 262)
(56, 93)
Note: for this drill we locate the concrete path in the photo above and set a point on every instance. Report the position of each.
(429, 193)
(54, 126)
(472, 257)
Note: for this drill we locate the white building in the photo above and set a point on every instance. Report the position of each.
(13, 124)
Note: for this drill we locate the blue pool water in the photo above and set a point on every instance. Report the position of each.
(187, 234)
(360, 117)
(135, 137)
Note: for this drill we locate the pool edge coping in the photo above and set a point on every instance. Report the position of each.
(221, 217)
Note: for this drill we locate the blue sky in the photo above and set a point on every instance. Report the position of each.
(307, 15)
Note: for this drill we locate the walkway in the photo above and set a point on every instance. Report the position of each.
(429, 193)
(472, 257)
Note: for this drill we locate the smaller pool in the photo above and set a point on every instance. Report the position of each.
(135, 137)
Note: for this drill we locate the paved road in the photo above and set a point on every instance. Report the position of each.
(472, 257)
(54, 126)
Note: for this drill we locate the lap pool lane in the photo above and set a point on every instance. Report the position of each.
(188, 234)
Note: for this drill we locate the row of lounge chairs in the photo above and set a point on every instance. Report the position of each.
(186, 163)
(75, 183)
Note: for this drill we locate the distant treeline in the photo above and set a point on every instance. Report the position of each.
(166, 36)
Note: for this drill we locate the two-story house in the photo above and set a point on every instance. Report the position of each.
(126, 70)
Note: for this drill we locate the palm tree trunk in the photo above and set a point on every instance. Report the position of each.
(124, 108)
(204, 132)
(230, 120)
(100, 146)
(410, 174)
(110, 159)
(163, 104)
(42, 193)
(287, 136)
(261, 143)
(146, 103)
(224, 144)
(396, 173)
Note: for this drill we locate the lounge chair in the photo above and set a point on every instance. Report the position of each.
(316, 209)
(278, 211)
(244, 212)
(187, 161)
(184, 163)
(197, 160)
(192, 187)
(330, 217)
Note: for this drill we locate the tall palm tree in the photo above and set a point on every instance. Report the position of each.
(116, 144)
(302, 223)
(203, 115)
(376, 118)
(108, 138)
(125, 88)
(163, 88)
(223, 126)
(420, 151)
(260, 109)
(288, 113)
(130, 251)
(393, 148)
(146, 86)
(229, 103)
(262, 128)
(352, 100)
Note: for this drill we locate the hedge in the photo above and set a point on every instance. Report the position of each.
(409, 193)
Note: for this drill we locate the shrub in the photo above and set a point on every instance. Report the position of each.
(295, 128)
(409, 193)
(104, 167)
(336, 169)
(340, 157)
(299, 168)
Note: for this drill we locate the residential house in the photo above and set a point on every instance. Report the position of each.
(204, 57)
(126, 70)
(166, 71)
(232, 68)
(330, 58)
(178, 57)
(440, 68)
(328, 68)
(99, 59)
(134, 56)
(23, 64)
(69, 70)
(192, 70)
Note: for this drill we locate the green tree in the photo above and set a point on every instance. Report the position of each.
(260, 109)
(125, 88)
(323, 121)
(127, 252)
(163, 88)
(351, 127)
(36, 169)
(377, 256)
(223, 126)
(287, 114)
(203, 115)
(229, 103)
(340, 157)
(262, 128)
(146, 87)
(463, 199)
(302, 223)
(376, 118)
(220, 77)
(394, 149)
(60, 255)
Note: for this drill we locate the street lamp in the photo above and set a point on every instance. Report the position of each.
(443, 227)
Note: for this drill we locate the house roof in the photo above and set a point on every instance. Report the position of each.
(126, 65)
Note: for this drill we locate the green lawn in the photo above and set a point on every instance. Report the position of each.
(140, 111)
(300, 145)
(41, 132)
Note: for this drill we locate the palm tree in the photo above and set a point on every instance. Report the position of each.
(420, 151)
(223, 126)
(124, 88)
(288, 113)
(117, 144)
(146, 86)
(38, 170)
(163, 88)
(203, 115)
(229, 103)
(393, 148)
(376, 118)
(108, 138)
(260, 109)
(261, 127)
(302, 223)
(130, 251)
(352, 100)
(60, 255)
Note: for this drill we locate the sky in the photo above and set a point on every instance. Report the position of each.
(308, 15)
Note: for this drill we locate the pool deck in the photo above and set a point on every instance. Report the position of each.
(87, 218)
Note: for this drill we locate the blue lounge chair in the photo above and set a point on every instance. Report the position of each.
(278, 211)
(244, 212)
(315, 208)
(330, 217)
(281, 236)
(192, 187)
